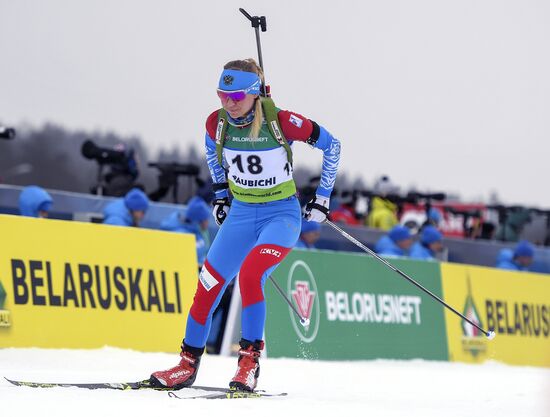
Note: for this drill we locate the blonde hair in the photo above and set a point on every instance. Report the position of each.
(250, 65)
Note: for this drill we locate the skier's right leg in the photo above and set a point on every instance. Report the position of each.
(232, 243)
(210, 289)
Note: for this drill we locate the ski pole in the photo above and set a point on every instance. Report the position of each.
(304, 321)
(257, 22)
(490, 334)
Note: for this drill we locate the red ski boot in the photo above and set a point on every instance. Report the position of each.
(248, 368)
(182, 375)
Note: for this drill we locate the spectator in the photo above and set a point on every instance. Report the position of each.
(195, 221)
(345, 211)
(429, 245)
(311, 231)
(121, 178)
(513, 225)
(34, 201)
(128, 210)
(396, 243)
(204, 190)
(383, 211)
(433, 218)
(504, 257)
(520, 259)
(487, 231)
(307, 192)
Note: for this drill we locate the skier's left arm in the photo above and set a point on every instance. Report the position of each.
(298, 128)
(331, 158)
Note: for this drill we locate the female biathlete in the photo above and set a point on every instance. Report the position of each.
(248, 153)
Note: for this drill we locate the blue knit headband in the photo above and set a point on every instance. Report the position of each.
(233, 80)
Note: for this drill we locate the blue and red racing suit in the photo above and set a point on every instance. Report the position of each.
(264, 221)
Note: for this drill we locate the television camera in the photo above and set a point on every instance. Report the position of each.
(123, 169)
(168, 178)
(7, 133)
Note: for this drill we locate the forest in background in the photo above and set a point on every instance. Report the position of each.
(50, 156)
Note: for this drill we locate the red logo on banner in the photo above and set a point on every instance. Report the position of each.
(303, 298)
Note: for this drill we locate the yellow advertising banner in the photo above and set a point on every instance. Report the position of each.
(66, 284)
(516, 305)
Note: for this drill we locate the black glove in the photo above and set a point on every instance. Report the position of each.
(221, 210)
(317, 209)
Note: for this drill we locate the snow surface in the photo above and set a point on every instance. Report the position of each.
(366, 388)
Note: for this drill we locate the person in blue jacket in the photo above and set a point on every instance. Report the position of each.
(520, 259)
(504, 256)
(311, 231)
(396, 242)
(193, 220)
(34, 201)
(434, 217)
(128, 210)
(430, 243)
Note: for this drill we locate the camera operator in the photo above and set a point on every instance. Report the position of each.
(123, 168)
(168, 178)
(122, 177)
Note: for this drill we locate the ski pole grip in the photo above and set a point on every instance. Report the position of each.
(256, 21)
